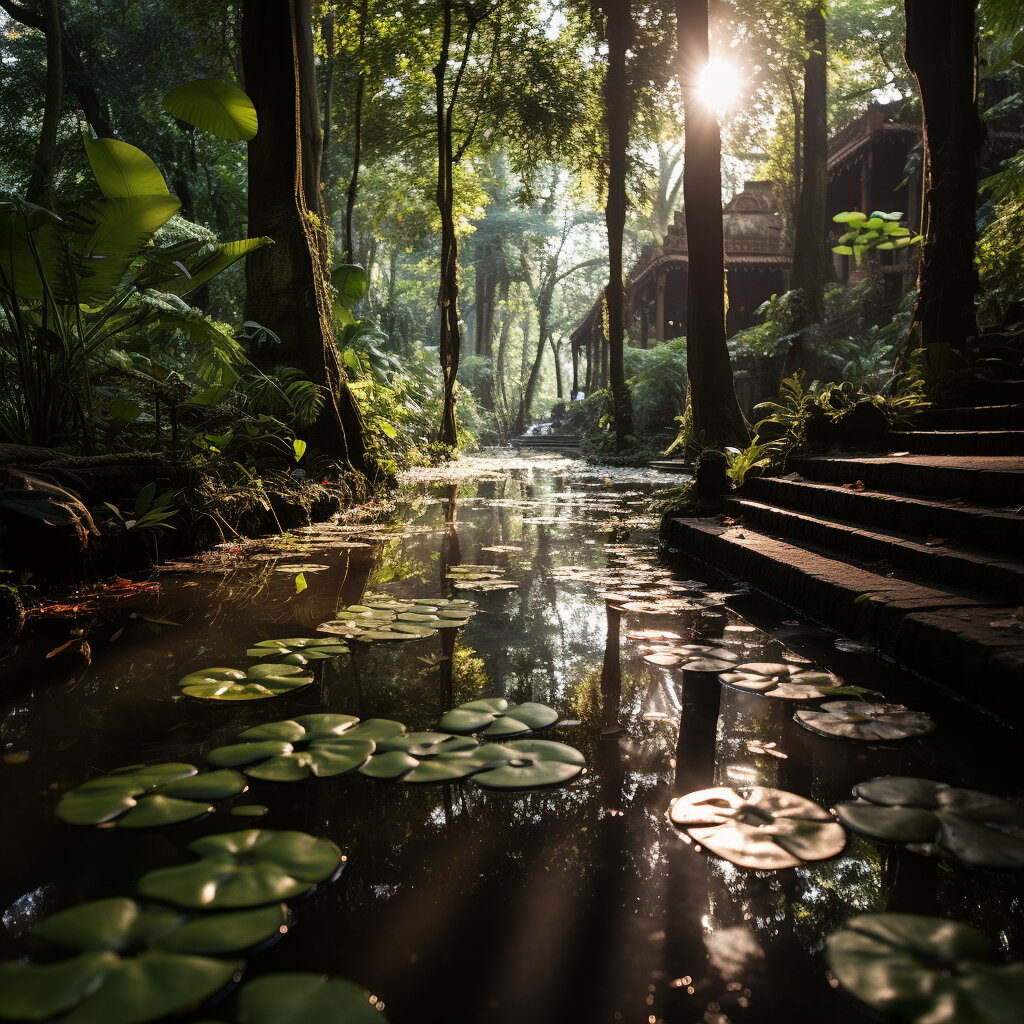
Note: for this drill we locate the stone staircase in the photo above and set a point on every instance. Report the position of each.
(547, 442)
(919, 550)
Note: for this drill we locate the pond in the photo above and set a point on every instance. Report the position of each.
(456, 903)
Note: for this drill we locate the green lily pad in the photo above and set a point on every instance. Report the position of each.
(860, 720)
(147, 796)
(118, 925)
(782, 681)
(529, 764)
(306, 999)
(298, 650)
(244, 869)
(459, 764)
(759, 827)
(495, 718)
(293, 749)
(248, 810)
(979, 829)
(103, 988)
(395, 756)
(926, 970)
(258, 682)
(383, 618)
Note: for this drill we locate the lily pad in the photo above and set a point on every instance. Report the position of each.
(291, 750)
(860, 720)
(927, 970)
(783, 681)
(531, 764)
(147, 796)
(118, 925)
(977, 828)
(760, 827)
(383, 618)
(306, 999)
(494, 717)
(256, 683)
(244, 869)
(103, 988)
(396, 756)
(298, 650)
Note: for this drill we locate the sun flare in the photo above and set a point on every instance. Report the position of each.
(719, 85)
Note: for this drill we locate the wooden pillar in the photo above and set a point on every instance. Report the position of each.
(575, 349)
(588, 385)
(659, 314)
(645, 327)
(865, 184)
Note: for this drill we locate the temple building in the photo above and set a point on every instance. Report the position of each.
(867, 170)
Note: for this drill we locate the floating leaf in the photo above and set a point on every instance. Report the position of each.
(395, 756)
(103, 988)
(244, 869)
(256, 683)
(781, 681)
(494, 717)
(531, 764)
(298, 650)
(977, 828)
(117, 925)
(293, 749)
(927, 970)
(382, 618)
(760, 828)
(214, 106)
(306, 999)
(859, 720)
(142, 796)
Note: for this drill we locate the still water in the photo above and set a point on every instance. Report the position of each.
(578, 904)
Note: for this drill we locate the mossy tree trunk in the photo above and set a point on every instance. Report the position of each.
(618, 108)
(940, 51)
(717, 420)
(286, 284)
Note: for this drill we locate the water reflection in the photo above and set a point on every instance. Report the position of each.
(579, 904)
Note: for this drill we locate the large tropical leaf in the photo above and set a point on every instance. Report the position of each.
(214, 262)
(214, 106)
(118, 226)
(122, 171)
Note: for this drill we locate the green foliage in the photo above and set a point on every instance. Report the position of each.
(755, 457)
(881, 231)
(215, 106)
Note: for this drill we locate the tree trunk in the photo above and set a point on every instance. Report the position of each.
(810, 266)
(357, 143)
(286, 284)
(531, 381)
(327, 34)
(619, 31)
(41, 182)
(717, 419)
(555, 351)
(940, 53)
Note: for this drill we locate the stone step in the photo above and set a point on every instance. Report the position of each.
(971, 646)
(953, 519)
(545, 441)
(984, 391)
(987, 572)
(670, 465)
(991, 480)
(972, 417)
(959, 442)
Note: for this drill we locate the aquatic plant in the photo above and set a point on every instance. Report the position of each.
(861, 720)
(927, 970)
(131, 963)
(759, 827)
(307, 999)
(979, 829)
(784, 681)
(291, 750)
(494, 717)
(382, 618)
(142, 796)
(256, 683)
(244, 869)
(297, 650)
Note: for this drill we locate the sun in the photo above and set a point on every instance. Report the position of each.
(719, 85)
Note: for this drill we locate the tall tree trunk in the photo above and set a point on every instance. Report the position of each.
(619, 32)
(450, 342)
(327, 33)
(810, 266)
(555, 352)
(499, 363)
(717, 419)
(41, 182)
(940, 53)
(543, 312)
(357, 141)
(286, 284)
